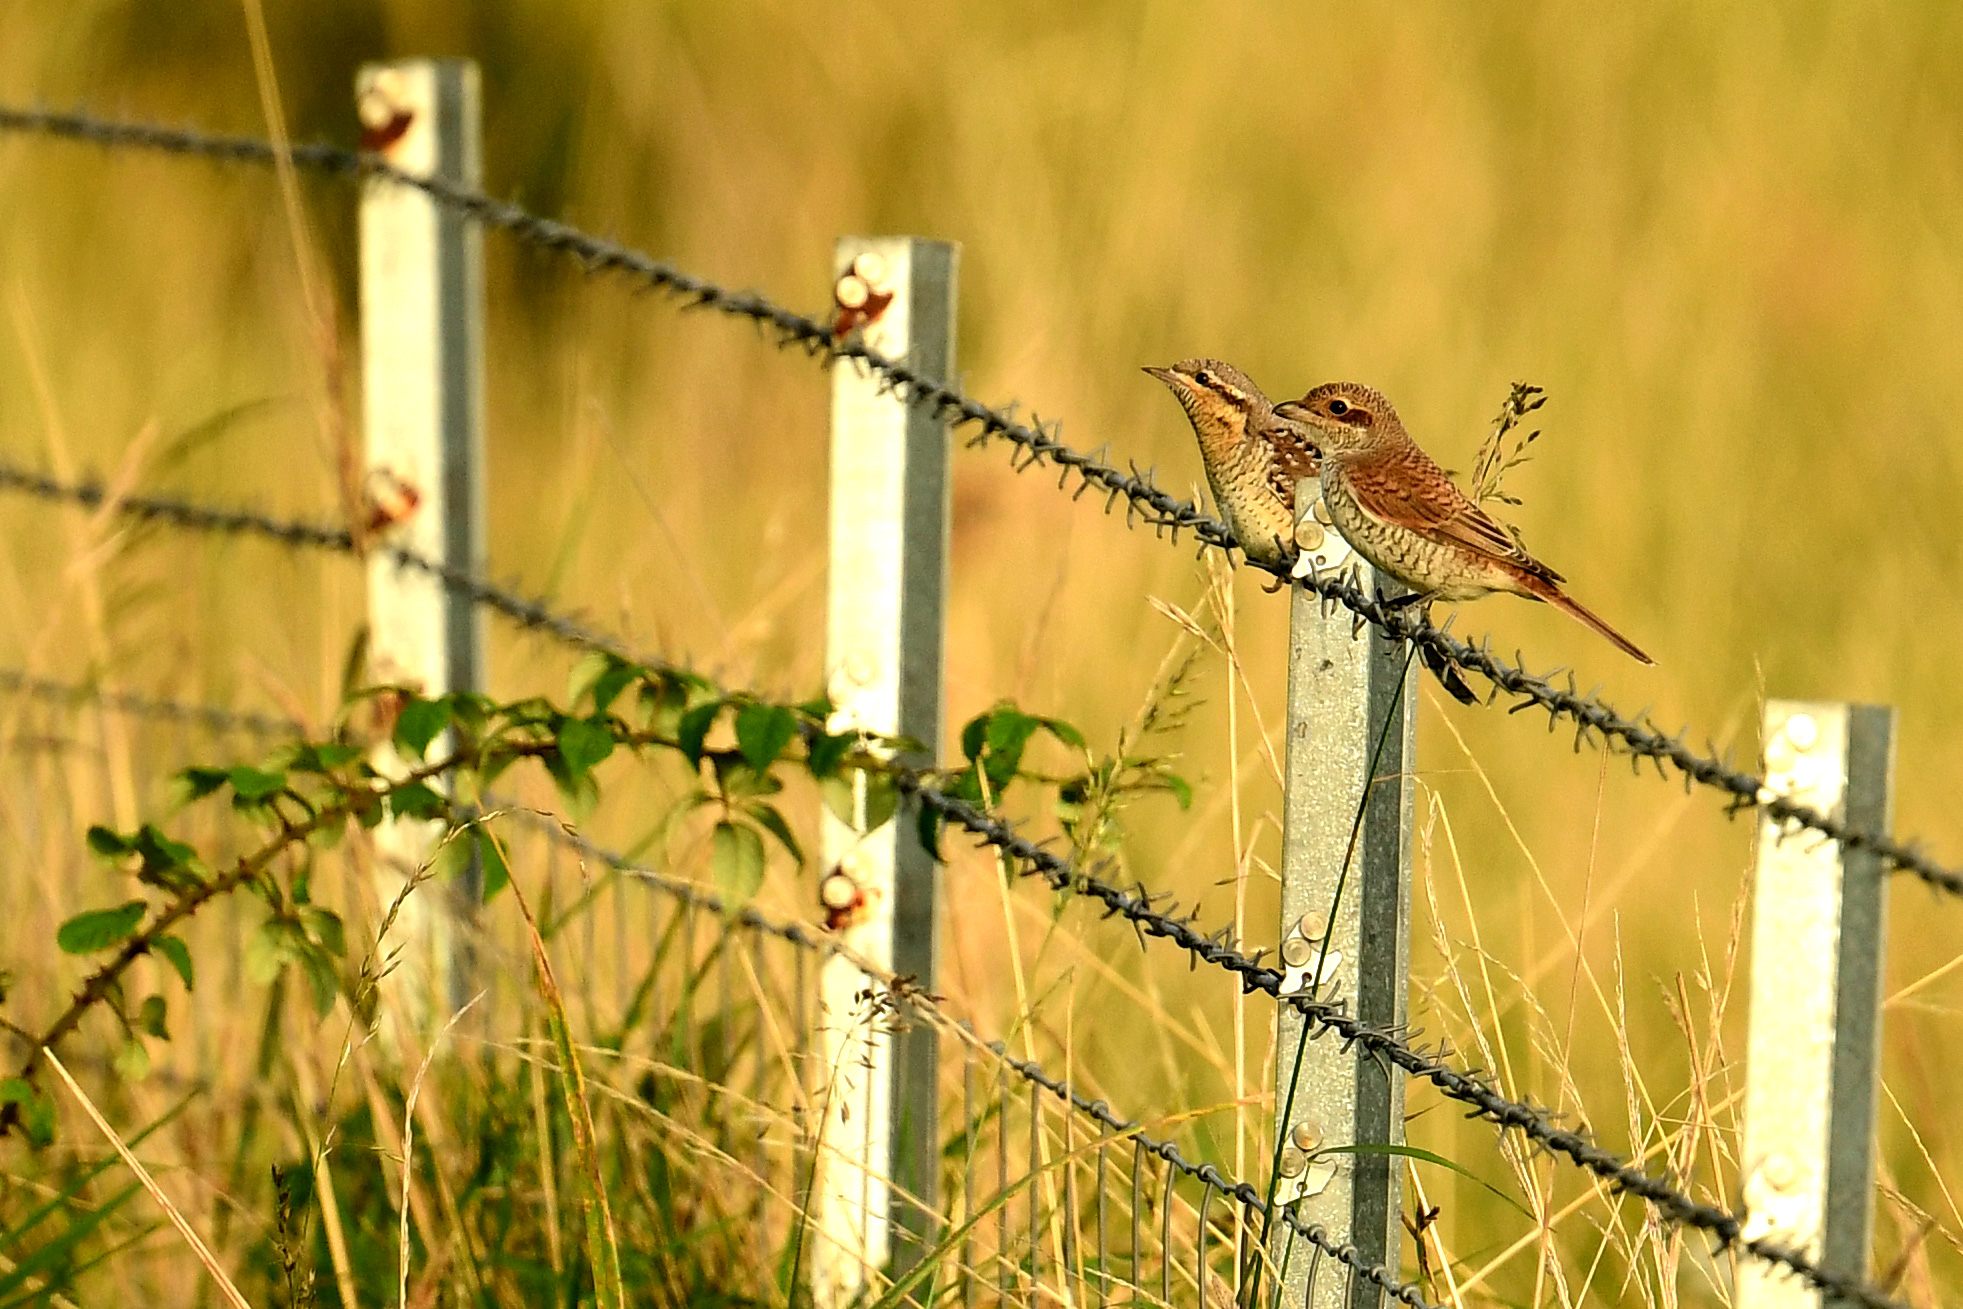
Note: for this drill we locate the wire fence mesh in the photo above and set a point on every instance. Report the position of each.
(1053, 1195)
(1037, 445)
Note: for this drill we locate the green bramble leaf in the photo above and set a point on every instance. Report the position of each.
(133, 1061)
(586, 673)
(671, 821)
(253, 785)
(974, 735)
(100, 929)
(34, 1111)
(269, 948)
(150, 1017)
(995, 741)
(322, 758)
(1065, 733)
(327, 835)
(966, 785)
(321, 977)
(497, 873)
(324, 925)
(615, 680)
(580, 792)
(736, 862)
(928, 829)
(417, 800)
(773, 822)
(420, 722)
(663, 700)
(737, 781)
(470, 711)
(108, 844)
(694, 729)
(194, 784)
(170, 864)
(176, 954)
(828, 752)
(882, 799)
(762, 732)
(584, 742)
(1007, 735)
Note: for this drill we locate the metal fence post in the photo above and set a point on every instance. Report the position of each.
(889, 530)
(1812, 1057)
(422, 350)
(1345, 924)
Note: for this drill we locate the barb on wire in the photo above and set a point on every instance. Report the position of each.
(825, 943)
(1037, 444)
(1251, 1199)
(1392, 1047)
(216, 718)
(534, 615)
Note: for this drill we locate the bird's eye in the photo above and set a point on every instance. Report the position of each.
(1203, 377)
(1339, 407)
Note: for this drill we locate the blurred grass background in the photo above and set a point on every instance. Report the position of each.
(1724, 239)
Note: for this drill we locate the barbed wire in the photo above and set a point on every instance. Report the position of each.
(1036, 443)
(1218, 950)
(18, 681)
(813, 938)
(1040, 444)
(1137, 906)
(299, 534)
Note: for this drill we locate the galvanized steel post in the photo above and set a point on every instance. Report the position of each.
(422, 350)
(889, 532)
(1345, 924)
(1818, 918)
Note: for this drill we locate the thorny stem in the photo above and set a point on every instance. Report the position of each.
(1037, 444)
(356, 802)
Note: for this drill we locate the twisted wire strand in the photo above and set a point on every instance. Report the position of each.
(216, 718)
(1136, 906)
(1040, 444)
(299, 534)
(813, 938)
(1036, 443)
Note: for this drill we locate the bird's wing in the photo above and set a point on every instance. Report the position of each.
(1428, 502)
(1290, 458)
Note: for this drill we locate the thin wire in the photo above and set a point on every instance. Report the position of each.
(1137, 907)
(1390, 1045)
(300, 534)
(1145, 502)
(825, 944)
(1036, 444)
(216, 718)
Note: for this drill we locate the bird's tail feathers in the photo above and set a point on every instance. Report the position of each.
(1542, 589)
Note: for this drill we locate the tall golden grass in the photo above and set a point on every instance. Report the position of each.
(1724, 239)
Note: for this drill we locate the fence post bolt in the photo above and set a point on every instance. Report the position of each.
(422, 350)
(889, 531)
(1345, 924)
(1818, 915)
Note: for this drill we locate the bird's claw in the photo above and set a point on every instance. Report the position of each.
(1448, 674)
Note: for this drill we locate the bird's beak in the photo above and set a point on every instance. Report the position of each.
(1293, 411)
(1165, 375)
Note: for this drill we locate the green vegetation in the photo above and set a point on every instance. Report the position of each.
(1722, 237)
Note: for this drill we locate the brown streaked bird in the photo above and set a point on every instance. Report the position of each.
(1404, 514)
(1252, 461)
